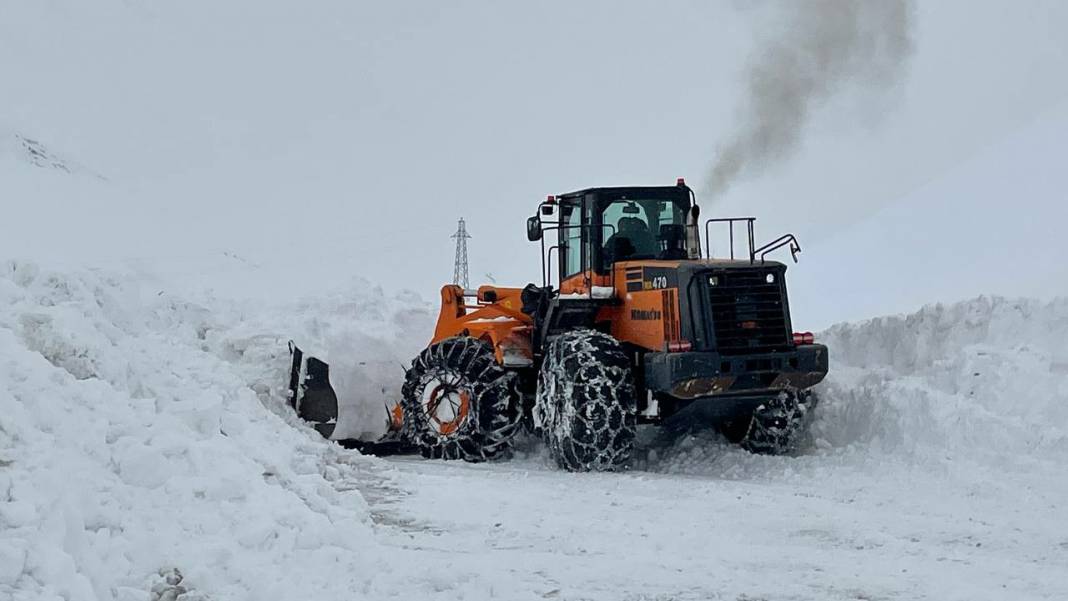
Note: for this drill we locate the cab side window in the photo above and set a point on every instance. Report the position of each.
(571, 238)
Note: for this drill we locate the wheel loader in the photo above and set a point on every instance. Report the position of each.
(634, 322)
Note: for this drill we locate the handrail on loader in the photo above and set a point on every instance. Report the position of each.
(730, 224)
(754, 252)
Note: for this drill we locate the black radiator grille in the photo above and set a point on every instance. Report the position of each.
(747, 312)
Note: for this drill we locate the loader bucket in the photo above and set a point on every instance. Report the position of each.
(310, 393)
(313, 398)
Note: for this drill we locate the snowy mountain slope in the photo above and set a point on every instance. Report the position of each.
(19, 148)
(143, 429)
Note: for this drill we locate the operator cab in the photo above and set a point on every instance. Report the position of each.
(599, 227)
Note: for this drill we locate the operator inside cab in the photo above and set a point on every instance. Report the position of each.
(633, 224)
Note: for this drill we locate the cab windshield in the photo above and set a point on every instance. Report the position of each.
(643, 229)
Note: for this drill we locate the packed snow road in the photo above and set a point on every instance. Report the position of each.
(735, 527)
(143, 431)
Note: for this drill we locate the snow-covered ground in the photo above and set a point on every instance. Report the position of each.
(143, 429)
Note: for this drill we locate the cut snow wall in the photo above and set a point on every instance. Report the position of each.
(985, 379)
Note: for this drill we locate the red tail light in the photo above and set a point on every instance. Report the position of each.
(801, 338)
(679, 346)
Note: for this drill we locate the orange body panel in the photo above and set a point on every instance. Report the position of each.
(648, 316)
(495, 317)
(580, 283)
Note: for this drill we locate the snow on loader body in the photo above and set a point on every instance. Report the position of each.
(641, 327)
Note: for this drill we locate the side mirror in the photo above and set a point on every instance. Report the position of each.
(534, 228)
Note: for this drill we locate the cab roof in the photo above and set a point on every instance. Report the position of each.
(647, 191)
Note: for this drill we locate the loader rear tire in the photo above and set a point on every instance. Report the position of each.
(779, 426)
(459, 403)
(586, 406)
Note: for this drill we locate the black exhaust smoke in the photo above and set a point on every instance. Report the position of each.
(815, 50)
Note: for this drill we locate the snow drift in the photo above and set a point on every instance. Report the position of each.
(142, 432)
(985, 379)
(977, 390)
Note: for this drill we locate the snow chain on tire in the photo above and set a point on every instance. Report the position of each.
(780, 425)
(459, 403)
(586, 406)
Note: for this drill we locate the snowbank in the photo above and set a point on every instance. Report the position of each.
(134, 438)
(985, 379)
(976, 391)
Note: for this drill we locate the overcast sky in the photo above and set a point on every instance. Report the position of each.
(354, 135)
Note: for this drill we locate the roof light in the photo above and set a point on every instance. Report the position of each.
(550, 199)
(680, 182)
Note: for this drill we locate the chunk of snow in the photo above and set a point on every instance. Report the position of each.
(500, 319)
(600, 292)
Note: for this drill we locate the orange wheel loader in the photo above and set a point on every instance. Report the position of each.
(633, 323)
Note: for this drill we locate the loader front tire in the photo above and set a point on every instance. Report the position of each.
(586, 405)
(459, 403)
